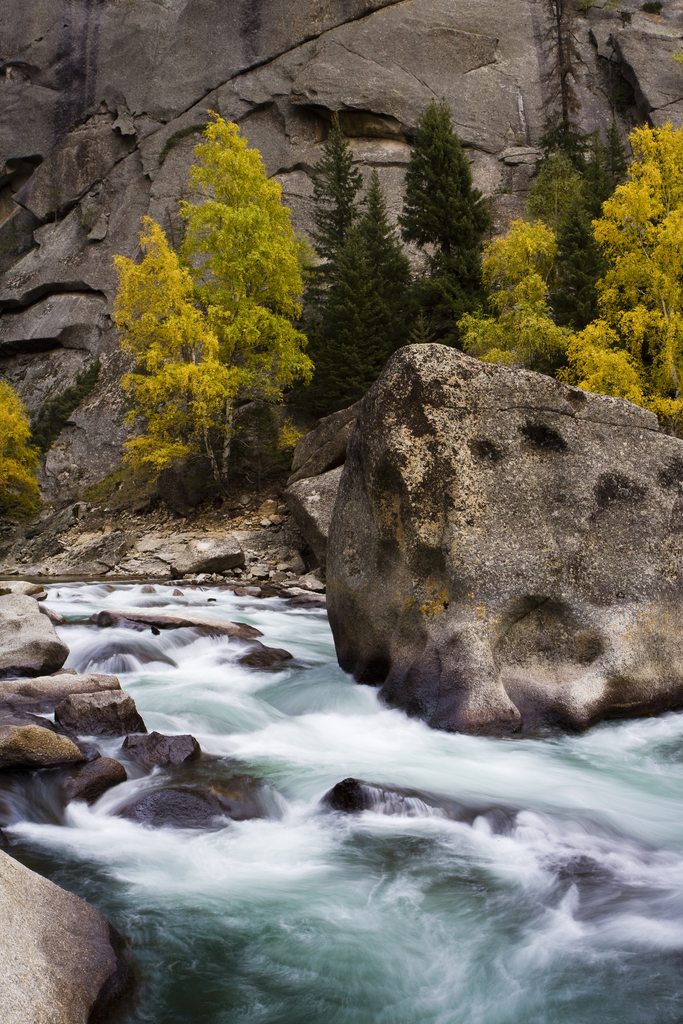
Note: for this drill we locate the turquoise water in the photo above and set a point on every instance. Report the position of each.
(557, 898)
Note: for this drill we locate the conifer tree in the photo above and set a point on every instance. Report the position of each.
(442, 209)
(336, 183)
(364, 317)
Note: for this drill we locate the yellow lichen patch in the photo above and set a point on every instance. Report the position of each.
(436, 602)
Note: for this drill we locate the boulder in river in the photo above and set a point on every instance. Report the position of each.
(60, 960)
(174, 620)
(184, 807)
(89, 782)
(27, 741)
(29, 645)
(156, 749)
(43, 693)
(260, 656)
(109, 713)
(505, 550)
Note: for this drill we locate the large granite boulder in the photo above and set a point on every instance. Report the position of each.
(60, 959)
(109, 713)
(29, 645)
(44, 693)
(505, 550)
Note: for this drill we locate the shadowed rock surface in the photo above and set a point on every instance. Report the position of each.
(92, 780)
(29, 645)
(60, 959)
(505, 550)
(311, 502)
(157, 749)
(111, 713)
(260, 656)
(324, 448)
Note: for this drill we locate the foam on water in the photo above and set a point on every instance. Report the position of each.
(552, 894)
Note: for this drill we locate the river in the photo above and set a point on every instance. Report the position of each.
(553, 896)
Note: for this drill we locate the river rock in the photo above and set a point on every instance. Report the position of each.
(60, 960)
(157, 749)
(21, 587)
(182, 807)
(55, 618)
(260, 656)
(29, 645)
(174, 620)
(311, 502)
(92, 780)
(43, 693)
(353, 796)
(324, 447)
(505, 550)
(27, 744)
(110, 713)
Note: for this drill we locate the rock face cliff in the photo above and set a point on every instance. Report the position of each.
(505, 550)
(102, 103)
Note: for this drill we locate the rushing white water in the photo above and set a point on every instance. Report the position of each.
(554, 897)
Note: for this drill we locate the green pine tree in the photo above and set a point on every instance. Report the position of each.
(353, 332)
(442, 209)
(581, 265)
(336, 183)
(388, 265)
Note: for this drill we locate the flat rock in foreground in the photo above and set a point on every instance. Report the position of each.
(60, 959)
(505, 551)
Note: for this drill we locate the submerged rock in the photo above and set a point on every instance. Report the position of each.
(92, 780)
(43, 693)
(110, 713)
(353, 796)
(183, 807)
(157, 749)
(505, 550)
(60, 959)
(260, 656)
(29, 645)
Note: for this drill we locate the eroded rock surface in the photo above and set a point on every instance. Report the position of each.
(505, 550)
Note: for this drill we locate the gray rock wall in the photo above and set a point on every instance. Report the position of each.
(103, 102)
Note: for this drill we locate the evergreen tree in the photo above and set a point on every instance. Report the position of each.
(442, 209)
(364, 317)
(581, 264)
(615, 155)
(336, 183)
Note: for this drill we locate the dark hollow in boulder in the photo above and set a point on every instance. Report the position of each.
(110, 713)
(92, 780)
(156, 749)
(488, 566)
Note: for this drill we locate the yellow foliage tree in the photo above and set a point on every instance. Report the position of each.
(518, 270)
(635, 348)
(19, 494)
(212, 326)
